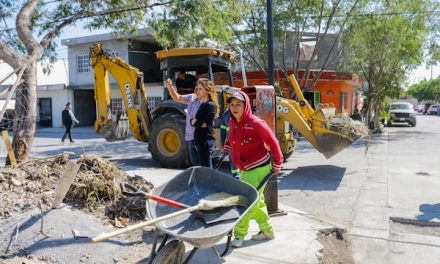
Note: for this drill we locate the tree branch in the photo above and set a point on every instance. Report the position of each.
(10, 56)
(21, 24)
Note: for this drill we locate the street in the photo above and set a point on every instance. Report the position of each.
(382, 197)
(399, 177)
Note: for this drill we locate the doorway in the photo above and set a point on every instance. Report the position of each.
(45, 112)
(85, 107)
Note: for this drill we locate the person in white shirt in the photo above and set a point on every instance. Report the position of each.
(68, 118)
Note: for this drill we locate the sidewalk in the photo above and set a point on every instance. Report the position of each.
(295, 242)
(60, 130)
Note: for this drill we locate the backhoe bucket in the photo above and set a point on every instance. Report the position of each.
(118, 130)
(329, 141)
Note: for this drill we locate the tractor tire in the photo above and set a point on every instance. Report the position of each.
(168, 254)
(167, 141)
(288, 155)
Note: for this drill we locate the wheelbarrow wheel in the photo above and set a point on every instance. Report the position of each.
(168, 254)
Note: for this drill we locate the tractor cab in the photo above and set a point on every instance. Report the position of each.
(210, 63)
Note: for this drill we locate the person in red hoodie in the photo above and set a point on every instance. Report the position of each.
(247, 140)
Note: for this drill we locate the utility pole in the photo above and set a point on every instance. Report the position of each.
(271, 190)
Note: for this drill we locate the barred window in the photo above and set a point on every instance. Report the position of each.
(83, 63)
(116, 105)
(153, 102)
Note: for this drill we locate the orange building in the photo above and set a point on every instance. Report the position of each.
(337, 88)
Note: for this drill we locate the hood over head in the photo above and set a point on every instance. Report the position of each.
(242, 96)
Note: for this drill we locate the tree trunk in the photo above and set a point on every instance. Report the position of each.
(25, 114)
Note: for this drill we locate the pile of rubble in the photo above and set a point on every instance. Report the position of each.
(95, 188)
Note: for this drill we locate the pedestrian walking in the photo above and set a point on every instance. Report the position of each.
(224, 129)
(247, 140)
(203, 122)
(68, 118)
(193, 106)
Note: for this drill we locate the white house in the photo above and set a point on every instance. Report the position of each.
(137, 50)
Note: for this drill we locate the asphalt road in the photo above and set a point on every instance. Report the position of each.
(398, 179)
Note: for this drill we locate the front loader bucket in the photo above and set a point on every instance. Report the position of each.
(330, 142)
(329, 139)
(118, 130)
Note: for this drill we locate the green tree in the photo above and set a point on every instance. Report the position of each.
(37, 23)
(426, 90)
(383, 46)
(241, 24)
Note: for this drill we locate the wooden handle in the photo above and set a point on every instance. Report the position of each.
(105, 236)
(64, 183)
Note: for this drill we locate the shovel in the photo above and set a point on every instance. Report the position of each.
(210, 202)
(211, 216)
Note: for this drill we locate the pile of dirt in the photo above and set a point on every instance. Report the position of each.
(95, 189)
(349, 127)
(336, 248)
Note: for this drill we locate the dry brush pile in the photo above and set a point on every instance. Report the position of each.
(95, 188)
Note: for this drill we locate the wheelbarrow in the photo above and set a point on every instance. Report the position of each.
(188, 188)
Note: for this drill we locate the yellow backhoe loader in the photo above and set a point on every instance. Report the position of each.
(164, 128)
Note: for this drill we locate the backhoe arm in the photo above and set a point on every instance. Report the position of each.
(311, 123)
(131, 85)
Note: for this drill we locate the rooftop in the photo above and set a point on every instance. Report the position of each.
(142, 34)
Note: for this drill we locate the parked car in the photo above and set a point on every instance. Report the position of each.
(433, 109)
(425, 111)
(420, 108)
(8, 120)
(402, 112)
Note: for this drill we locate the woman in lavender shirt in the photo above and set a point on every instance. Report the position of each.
(193, 106)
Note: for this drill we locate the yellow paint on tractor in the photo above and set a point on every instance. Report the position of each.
(163, 54)
(168, 142)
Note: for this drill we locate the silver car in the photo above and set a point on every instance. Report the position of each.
(402, 112)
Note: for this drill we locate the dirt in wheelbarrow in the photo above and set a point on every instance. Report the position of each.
(32, 233)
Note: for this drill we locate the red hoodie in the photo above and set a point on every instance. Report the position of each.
(246, 140)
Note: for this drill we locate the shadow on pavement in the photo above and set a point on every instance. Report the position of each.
(313, 178)
(429, 212)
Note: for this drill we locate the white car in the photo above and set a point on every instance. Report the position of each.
(402, 112)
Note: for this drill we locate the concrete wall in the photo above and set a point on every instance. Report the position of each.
(59, 100)
(86, 78)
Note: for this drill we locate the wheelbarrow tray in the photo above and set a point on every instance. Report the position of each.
(189, 187)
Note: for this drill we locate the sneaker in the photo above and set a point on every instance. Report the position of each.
(237, 243)
(263, 236)
(71, 142)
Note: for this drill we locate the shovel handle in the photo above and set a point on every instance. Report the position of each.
(124, 230)
(132, 191)
(220, 161)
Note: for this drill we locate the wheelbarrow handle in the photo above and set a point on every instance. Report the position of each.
(220, 161)
(135, 192)
(265, 180)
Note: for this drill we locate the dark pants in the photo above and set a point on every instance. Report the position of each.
(193, 155)
(205, 151)
(68, 127)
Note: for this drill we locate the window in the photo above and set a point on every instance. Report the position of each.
(153, 102)
(116, 105)
(83, 63)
